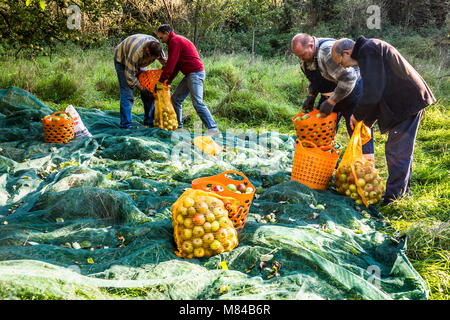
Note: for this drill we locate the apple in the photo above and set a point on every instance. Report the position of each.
(182, 210)
(227, 245)
(220, 249)
(354, 195)
(187, 246)
(361, 182)
(210, 217)
(221, 234)
(188, 223)
(187, 233)
(180, 219)
(218, 212)
(197, 242)
(208, 238)
(207, 226)
(352, 188)
(191, 211)
(199, 252)
(321, 115)
(351, 178)
(201, 207)
(342, 178)
(198, 231)
(218, 188)
(231, 187)
(198, 219)
(215, 226)
(214, 245)
(188, 202)
(241, 187)
(248, 190)
(369, 177)
(223, 222)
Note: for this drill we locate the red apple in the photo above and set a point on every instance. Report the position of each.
(198, 219)
(241, 187)
(217, 188)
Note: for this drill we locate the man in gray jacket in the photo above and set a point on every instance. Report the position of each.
(339, 88)
(394, 95)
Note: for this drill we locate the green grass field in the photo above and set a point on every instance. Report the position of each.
(264, 95)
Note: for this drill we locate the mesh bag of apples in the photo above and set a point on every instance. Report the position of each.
(356, 177)
(165, 116)
(201, 224)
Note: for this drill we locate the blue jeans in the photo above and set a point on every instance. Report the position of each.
(127, 100)
(192, 84)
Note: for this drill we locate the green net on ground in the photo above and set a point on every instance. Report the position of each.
(91, 219)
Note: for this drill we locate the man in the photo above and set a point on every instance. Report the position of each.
(340, 88)
(131, 56)
(183, 56)
(395, 95)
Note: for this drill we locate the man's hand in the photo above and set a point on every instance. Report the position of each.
(308, 104)
(353, 122)
(327, 106)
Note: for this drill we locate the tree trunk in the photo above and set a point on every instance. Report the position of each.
(253, 45)
(196, 18)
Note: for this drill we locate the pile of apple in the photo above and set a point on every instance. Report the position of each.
(60, 116)
(367, 178)
(168, 122)
(307, 116)
(203, 227)
(240, 188)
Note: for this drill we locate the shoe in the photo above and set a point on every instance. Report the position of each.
(212, 132)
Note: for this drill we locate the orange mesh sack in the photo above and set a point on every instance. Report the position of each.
(165, 116)
(316, 127)
(58, 127)
(356, 177)
(201, 224)
(149, 78)
(313, 166)
(241, 190)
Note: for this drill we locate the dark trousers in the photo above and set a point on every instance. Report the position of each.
(399, 149)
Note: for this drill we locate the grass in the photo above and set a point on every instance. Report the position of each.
(264, 95)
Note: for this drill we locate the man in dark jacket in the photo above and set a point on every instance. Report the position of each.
(183, 56)
(394, 95)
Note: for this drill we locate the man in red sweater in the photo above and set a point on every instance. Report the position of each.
(183, 56)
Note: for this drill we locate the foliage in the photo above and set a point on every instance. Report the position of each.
(258, 26)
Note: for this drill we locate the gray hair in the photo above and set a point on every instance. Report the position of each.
(344, 44)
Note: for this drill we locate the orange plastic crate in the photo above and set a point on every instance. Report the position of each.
(320, 131)
(59, 131)
(244, 199)
(313, 166)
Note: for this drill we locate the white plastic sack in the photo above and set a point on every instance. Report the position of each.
(80, 128)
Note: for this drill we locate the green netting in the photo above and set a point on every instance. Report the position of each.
(91, 219)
